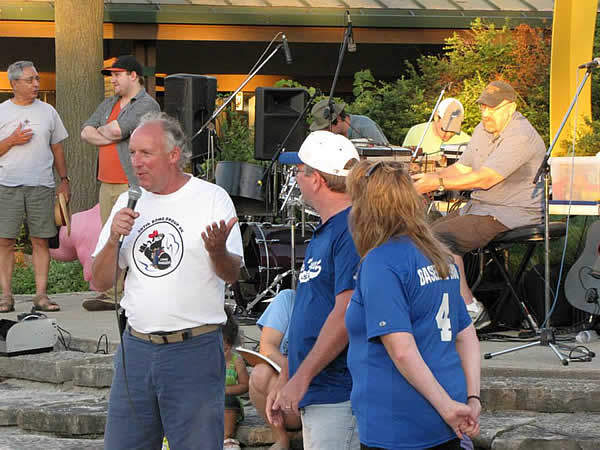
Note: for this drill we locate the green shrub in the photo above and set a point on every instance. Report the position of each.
(63, 277)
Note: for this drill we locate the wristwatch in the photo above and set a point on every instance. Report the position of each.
(441, 187)
(66, 178)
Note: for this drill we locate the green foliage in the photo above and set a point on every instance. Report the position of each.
(587, 142)
(470, 61)
(237, 139)
(294, 84)
(62, 277)
(578, 226)
(395, 106)
(486, 53)
(520, 56)
(22, 242)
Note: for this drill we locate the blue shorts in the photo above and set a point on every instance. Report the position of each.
(176, 390)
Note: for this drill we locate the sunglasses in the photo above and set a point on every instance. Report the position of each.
(373, 168)
(378, 164)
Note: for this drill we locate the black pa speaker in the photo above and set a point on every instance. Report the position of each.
(276, 111)
(191, 100)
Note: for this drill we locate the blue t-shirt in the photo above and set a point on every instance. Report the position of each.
(329, 266)
(398, 290)
(277, 316)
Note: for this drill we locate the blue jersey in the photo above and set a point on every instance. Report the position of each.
(277, 316)
(399, 290)
(329, 266)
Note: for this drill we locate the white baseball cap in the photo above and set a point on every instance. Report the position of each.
(324, 151)
(451, 113)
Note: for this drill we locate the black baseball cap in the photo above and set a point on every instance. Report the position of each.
(125, 63)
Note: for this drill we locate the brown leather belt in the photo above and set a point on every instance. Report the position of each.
(174, 336)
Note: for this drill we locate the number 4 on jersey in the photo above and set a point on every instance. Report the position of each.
(443, 319)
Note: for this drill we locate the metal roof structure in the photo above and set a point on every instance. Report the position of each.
(365, 13)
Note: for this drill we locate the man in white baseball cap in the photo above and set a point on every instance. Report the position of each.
(317, 379)
(445, 129)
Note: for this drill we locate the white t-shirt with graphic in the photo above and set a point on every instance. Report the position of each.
(171, 284)
(30, 164)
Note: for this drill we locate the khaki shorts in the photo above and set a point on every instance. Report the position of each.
(109, 193)
(465, 233)
(36, 203)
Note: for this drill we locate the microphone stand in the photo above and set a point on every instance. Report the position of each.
(281, 146)
(337, 71)
(291, 210)
(546, 332)
(232, 96)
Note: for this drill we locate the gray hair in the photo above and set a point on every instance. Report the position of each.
(174, 135)
(15, 70)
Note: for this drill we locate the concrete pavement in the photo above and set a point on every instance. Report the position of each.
(86, 328)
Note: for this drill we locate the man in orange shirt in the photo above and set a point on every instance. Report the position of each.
(109, 128)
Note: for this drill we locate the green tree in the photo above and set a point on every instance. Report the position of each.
(395, 106)
(486, 53)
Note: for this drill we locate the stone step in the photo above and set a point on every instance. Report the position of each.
(76, 415)
(254, 431)
(15, 439)
(517, 430)
(51, 367)
(94, 375)
(67, 419)
(549, 395)
(53, 411)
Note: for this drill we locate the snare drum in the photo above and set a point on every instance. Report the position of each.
(267, 253)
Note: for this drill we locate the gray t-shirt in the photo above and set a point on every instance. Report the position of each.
(516, 154)
(30, 164)
(128, 119)
(364, 127)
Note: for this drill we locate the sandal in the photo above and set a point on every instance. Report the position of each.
(7, 303)
(43, 303)
(231, 444)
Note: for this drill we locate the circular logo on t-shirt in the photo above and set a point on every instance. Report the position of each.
(158, 249)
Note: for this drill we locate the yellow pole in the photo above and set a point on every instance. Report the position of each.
(573, 29)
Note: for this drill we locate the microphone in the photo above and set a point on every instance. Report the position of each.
(134, 193)
(590, 65)
(351, 43)
(453, 116)
(286, 50)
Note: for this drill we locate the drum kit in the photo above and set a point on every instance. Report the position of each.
(275, 223)
(274, 228)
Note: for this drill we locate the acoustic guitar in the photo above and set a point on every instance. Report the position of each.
(582, 285)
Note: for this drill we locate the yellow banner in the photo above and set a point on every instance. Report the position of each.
(573, 29)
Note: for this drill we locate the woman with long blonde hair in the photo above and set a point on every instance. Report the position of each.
(413, 352)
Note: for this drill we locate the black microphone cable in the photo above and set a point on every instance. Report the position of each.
(134, 193)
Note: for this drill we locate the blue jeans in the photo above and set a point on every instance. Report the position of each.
(176, 390)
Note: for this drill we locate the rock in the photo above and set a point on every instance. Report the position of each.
(551, 395)
(52, 367)
(93, 375)
(14, 400)
(15, 439)
(86, 417)
(517, 431)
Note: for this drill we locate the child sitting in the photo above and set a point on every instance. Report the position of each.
(236, 382)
